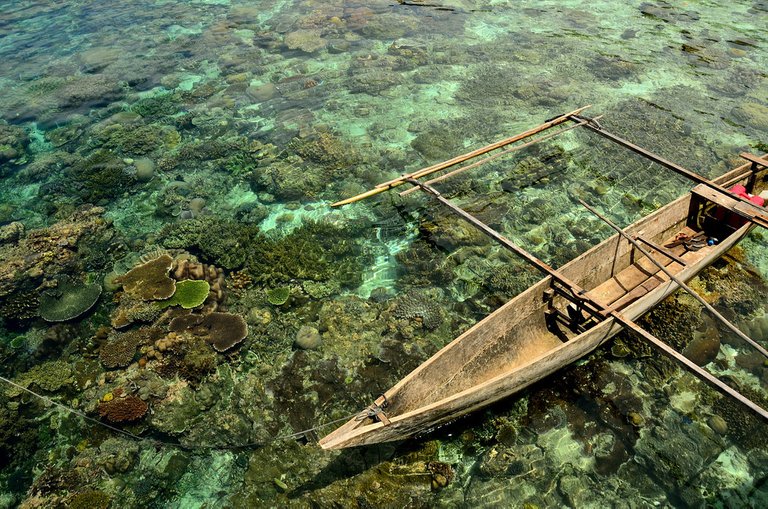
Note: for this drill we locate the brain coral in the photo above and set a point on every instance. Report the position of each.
(150, 281)
(417, 305)
(124, 409)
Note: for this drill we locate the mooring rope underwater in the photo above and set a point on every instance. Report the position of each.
(179, 445)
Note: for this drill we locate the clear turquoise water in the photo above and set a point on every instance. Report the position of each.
(223, 131)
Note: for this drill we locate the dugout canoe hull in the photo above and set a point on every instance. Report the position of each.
(512, 348)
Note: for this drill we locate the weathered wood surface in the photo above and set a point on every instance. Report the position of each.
(511, 348)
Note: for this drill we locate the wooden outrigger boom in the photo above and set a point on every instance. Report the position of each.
(522, 341)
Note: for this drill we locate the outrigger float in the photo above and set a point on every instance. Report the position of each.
(573, 310)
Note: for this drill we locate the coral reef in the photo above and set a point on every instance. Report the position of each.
(46, 251)
(99, 177)
(13, 147)
(222, 133)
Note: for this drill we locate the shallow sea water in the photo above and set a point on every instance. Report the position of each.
(217, 133)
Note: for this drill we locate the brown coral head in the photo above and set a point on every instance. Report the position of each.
(127, 409)
(150, 281)
(120, 350)
(222, 330)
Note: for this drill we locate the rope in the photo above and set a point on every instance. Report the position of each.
(156, 441)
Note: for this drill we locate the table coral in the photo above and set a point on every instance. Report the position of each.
(150, 281)
(68, 300)
(189, 294)
(120, 350)
(186, 268)
(222, 330)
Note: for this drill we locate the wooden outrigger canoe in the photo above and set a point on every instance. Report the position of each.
(533, 335)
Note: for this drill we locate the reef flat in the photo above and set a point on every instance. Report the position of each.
(171, 268)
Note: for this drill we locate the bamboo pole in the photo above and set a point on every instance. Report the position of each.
(677, 280)
(494, 156)
(384, 186)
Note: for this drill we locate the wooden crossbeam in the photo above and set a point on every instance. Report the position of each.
(754, 159)
(730, 202)
(677, 280)
(661, 249)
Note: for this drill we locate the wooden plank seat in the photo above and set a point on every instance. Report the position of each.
(642, 276)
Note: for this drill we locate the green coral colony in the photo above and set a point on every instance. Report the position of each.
(171, 267)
